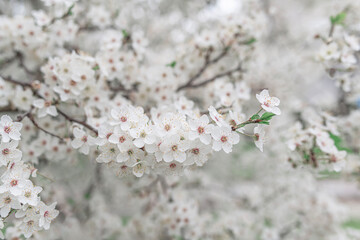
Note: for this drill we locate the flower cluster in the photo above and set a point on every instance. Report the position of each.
(17, 192)
(339, 53)
(317, 145)
(171, 141)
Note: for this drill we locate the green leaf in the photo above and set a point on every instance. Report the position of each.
(125, 220)
(96, 68)
(267, 116)
(264, 122)
(268, 222)
(352, 223)
(338, 19)
(255, 116)
(69, 12)
(87, 195)
(172, 64)
(338, 142)
(250, 41)
(125, 33)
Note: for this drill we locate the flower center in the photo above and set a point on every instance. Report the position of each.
(201, 130)
(223, 139)
(174, 148)
(172, 165)
(7, 200)
(27, 194)
(13, 183)
(195, 151)
(47, 104)
(46, 213)
(123, 119)
(122, 139)
(7, 129)
(5, 151)
(84, 139)
(167, 127)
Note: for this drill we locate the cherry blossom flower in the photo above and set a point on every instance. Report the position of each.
(47, 214)
(224, 138)
(108, 153)
(217, 117)
(29, 194)
(9, 152)
(142, 135)
(82, 141)
(197, 153)
(201, 129)
(129, 152)
(9, 129)
(174, 149)
(44, 108)
(268, 103)
(8, 202)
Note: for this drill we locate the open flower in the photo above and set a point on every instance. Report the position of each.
(224, 138)
(82, 141)
(9, 129)
(201, 129)
(45, 108)
(47, 214)
(268, 103)
(174, 148)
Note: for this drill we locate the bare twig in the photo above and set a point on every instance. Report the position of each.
(29, 115)
(71, 119)
(207, 63)
(229, 72)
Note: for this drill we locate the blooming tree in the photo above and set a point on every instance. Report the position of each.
(153, 91)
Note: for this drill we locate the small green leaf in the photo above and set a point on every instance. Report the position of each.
(352, 223)
(338, 19)
(339, 143)
(267, 116)
(125, 220)
(172, 64)
(250, 41)
(264, 122)
(87, 195)
(125, 33)
(96, 68)
(255, 116)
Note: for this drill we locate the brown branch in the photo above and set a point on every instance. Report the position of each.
(71, 119)
(207, 63)
(65, 15)
(331, 31)
(23, 84)
(229, 72)
(29, 85)
(32, 119)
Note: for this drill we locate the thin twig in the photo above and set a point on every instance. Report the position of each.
(207, 63)
(71, 119)
(239, 68)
